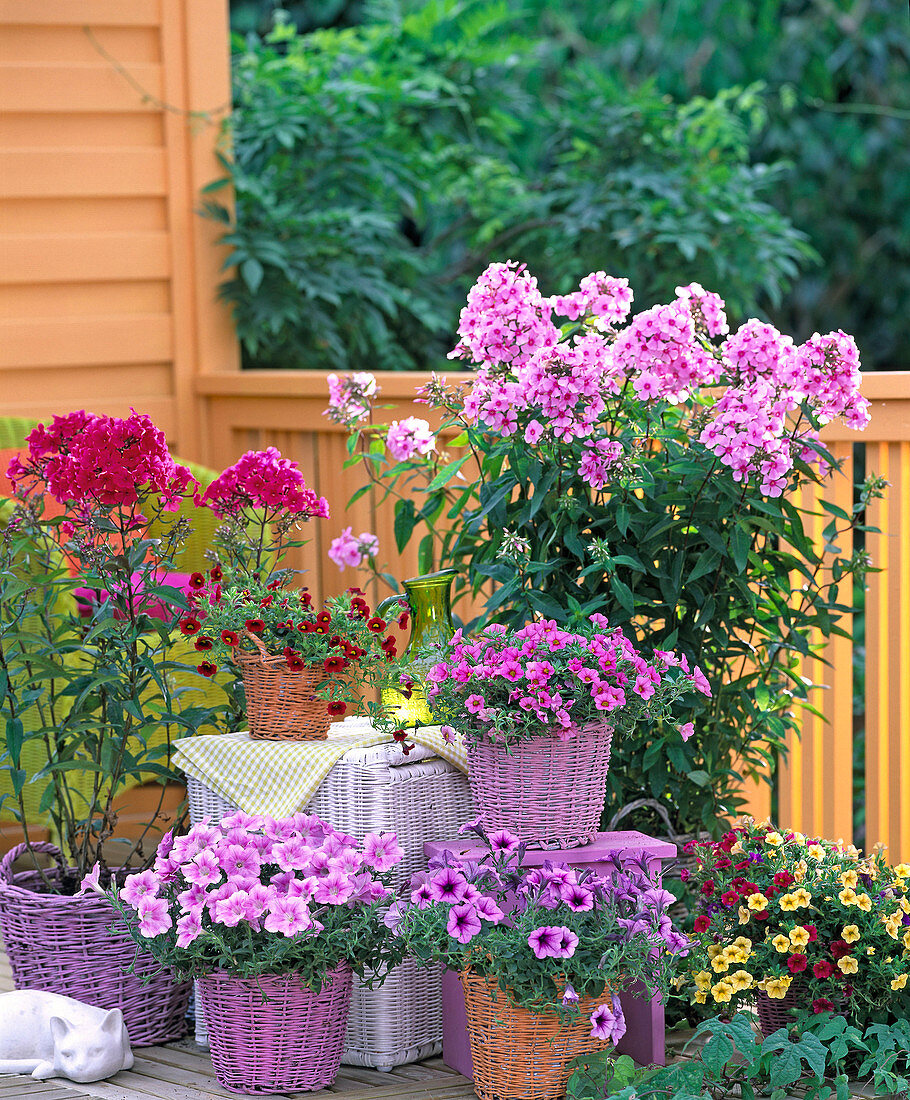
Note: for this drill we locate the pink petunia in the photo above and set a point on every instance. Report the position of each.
(153, 916)
(382, 850)
(463, 923)
(289, 916)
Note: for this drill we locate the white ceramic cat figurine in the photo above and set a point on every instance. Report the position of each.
(47, 1035)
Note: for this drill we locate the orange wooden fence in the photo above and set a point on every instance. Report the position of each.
(815, 786)
(107, 276)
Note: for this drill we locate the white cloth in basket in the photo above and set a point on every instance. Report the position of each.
(279, 778)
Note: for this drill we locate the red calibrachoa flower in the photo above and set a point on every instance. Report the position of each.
(702, 923)
(207, 668)
(840, 948)
(295, 662)
(190, 626)
(203, 643)
(335, 664)
(230, 637)
(377, 625)
(730, 898)
(336, 709)
(822, 969)
(797, 963)
(216, 574)
(254, 626)
(822, 1004)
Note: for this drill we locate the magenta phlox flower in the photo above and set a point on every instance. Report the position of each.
(348, 549)
(553, 942)
(382, 850)
(153, 914)
(204, 870)
(263, 480)
(409, 437)
(350, 396)
(91, 881)
(189, 929)
(463, 923)
(448, 885)
(334, 889)
(288, 916)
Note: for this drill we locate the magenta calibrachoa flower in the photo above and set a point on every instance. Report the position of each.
(254, 895)
(549, 935)
(512, 685)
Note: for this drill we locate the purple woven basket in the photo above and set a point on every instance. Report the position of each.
(549, 792)
(775, 1012)
(63, 944)
(273, 1033)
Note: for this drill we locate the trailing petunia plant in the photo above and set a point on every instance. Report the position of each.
(645, 468)
(549, 935)
(90, 704)
(512, 685)
(782, 913)
(257, 895)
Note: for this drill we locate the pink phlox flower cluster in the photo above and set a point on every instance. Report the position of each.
(260, 873)
(350, 396)
(347, 549)
(598, 461)
(829, 370)
(706, 307)
(506, 319)
(101, 462)
(747, 433)
(600, 295)
(758, 350)
(263, 480)
(659, 352)
(409, 437)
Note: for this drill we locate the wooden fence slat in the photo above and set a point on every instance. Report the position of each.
(65, 12)
(95, 86)
(77, 341)
(97, 257)
(33, 173)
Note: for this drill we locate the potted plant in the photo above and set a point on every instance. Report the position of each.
(542, 954)
(798, 923)
(272, 917)
(88, 704)
(539, 709)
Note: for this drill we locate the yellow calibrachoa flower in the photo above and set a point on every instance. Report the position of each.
(781, 944)
(849, 878)
(743, 943)
(722, 992)
(902, 870)
(850, 934)
(816, 851)
(702, 980)
(757, 901)
(803, 897)
(799, 936)
(777, 987)
(848, 964)
(740, 979)
(774, 839)
(870, 950)
(799, 871)
(906, 940)
(847, 896)
(899, 982)
(719, 964)
(788, 903)
(735, 955)
(892, 925)
(744, 916)
(700, 998)
(864, 902)
(714, 949)
(905, 904)
(737, 848)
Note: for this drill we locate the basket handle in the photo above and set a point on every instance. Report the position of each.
(6, 864)
(639, 804)
(258, 643)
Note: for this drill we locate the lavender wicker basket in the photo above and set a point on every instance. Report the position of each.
(71, 944)
(549, 792)
(274, 1034)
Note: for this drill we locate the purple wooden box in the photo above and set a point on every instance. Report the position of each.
(645, 1035)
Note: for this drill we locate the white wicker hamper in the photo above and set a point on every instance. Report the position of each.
(373, 789)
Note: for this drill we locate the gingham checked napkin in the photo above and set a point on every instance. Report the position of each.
(280, 777)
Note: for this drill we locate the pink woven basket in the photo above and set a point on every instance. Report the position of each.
(273, 1033)
(63, 944)
(549, 792)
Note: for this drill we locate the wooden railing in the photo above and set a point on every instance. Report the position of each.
(815, 786)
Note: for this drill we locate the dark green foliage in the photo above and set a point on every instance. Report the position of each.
(377, 170)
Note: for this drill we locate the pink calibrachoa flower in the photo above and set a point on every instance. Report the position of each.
(463, 924)
(382, 850)
(348, 550)
(153, 914)
(139, 886)
(569, 996)
(263, 480)
(504, 841)
(686, 730)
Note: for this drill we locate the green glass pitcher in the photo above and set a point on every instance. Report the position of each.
(430, 601)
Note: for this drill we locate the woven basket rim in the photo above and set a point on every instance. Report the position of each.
(11, 882)
(596, 725)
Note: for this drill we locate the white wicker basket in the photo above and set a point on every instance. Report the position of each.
(373, 789)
